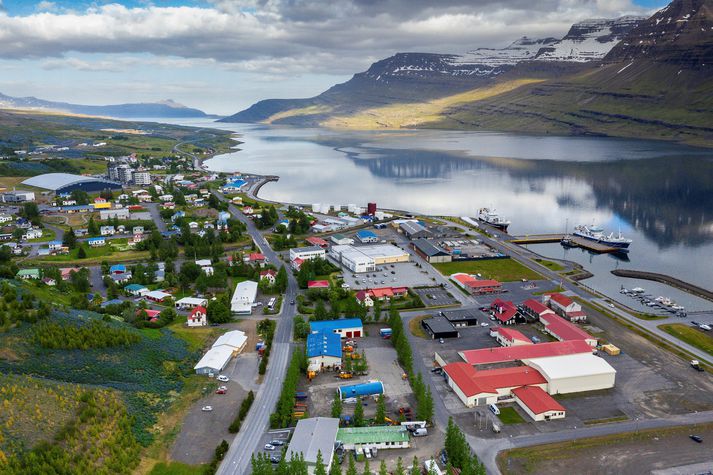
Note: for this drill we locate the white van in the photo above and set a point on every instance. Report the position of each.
(420, 432)
(494, 409)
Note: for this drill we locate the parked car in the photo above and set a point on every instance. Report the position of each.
(275, 459)
(696, 438)
(484, 324)
(223, 378)
(269, 447)
(207, 408)
(292, 302)
(277, 443)
(221, 391)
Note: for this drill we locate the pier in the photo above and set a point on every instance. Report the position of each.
(575, 241)
(665, 279)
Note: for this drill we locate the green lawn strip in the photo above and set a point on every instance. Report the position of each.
(606, 420)
(508, 415)
(504, 270)
(414, 326)
(554, 266)
(176, 468)
(690, 335)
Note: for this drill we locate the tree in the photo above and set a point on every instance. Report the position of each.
(81, 253)
(380, 417)
(92, 227)
(377, 310)
(351, 470)
(367, 468)
(335, 469)
(382, 468)
(69, 239)
(319, 468)
(358, 413)
(456, 446)
(30, 210)
(337, 406)
(415, 469)
(320, 312)
(218, 312)
(427, 406)
(400, 468)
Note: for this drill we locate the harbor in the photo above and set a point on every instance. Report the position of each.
(568, 240)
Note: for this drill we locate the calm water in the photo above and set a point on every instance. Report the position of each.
(658, 194)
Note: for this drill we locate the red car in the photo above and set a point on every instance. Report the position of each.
(221, 391)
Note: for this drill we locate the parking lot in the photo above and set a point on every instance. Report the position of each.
(436, 296)
(403, 274)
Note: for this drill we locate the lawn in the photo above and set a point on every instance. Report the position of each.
(550, 265)
(690, 335)
(508, 415)
(176, 468)
(504, 270)
(414, 326)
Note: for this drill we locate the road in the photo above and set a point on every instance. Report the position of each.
(156, 216)
(237, 460)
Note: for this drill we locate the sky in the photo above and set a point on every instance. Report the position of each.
(223, 55)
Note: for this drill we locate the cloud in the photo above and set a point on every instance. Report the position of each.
(285, 36)
(46, 6)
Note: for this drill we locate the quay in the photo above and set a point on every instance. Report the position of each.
(574, 240)
(665, 279)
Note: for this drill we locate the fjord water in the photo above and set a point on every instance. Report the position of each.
(658, 194)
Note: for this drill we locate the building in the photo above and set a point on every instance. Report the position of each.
(538, 404)
(364, 298)
(564, 307)
(324, 351)
(269, 275)
(314, 436)
(374, 437)
(509, 337)
(17, 196)
(318, 284)
(365, 236)
(477, 286)
(533, 310)
(233, 186)
(27, 274)
(563, 330)
(117, 269)
(574, 373)
(461, 317)
(414, 230)
(439, 327)
(66, 183)
(307, 253)
(341, 240)
(141, 178)
(345, 327)
(107, 230)
(214, 360)
(504, 311)
(96, 241)
(317, 241)
(120, 172)
(371, 209)
(485, 356)
(34, 233)
(101, 203)
(235, 340)
(244, 298)
(136, 289)
(371, 388)
(366, 258)
(190, 302)
(116, 213)
(157, 295)
(430, 252)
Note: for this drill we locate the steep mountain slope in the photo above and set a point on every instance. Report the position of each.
(166, 108)
(415, 77)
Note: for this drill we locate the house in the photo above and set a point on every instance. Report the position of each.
(509, 337)
(307, 253)
(136, 289)
(197, 317)
(101, 203)
(66, 272)
(117, 269)
(533, 310)
(364, 298)
(96, 241)
(33, 233)
(137, 230)
(318, 284)
(157, 295)
(317, 241)
(190, 302)
(296, 264)
(107, 230)
(55, 245)
(120, 278)
(346, 327)
(341, 240)
(324, 351)
(26, 274)
(248, 210)
(439, 327)
(268, 275)
(257, 258)
(206, 266)
(387, 293)
(504, 311)
(365, 236)
(5, 218)
(168, 205)
(49, 281)
(477, 286)
(243, 298)
(151, 315)
(564, 307)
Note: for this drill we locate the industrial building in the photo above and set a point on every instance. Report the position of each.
(324, 350)
(366, 258)
(227, 346)
(365, 237)
(430, 252)
(564, 307)
(574, 373)
(375, 437)
(244, 298)
(345, 327)
(509, 337)
(485, 356)
(341, 240)
(66, 183)
(311, 437)
(372, 388)
(439, 327)
(563, 330)
(414, 230)
(307, 253)
(476, 286)
(461, 317)
(533, 310)
(538, 404)
(17, 196)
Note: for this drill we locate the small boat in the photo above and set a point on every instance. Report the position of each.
(638, 290)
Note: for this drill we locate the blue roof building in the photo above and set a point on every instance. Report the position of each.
(117, 269)
(366, 236)
(234, 185)
(372, 388)
(345, 327)
(324, 344)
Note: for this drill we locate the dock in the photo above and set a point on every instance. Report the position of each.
(574, 240)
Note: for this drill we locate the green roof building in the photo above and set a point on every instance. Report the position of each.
(28, 274)
(380, 437)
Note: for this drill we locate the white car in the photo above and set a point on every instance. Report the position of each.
(269, 447)
(207, 408)
(223, 378)
(484, 324)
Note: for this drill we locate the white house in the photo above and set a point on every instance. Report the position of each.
(96, 241)
(268, 275)
(197, 317)
(107, 230)
(33, 233)
(190, 302)
(307, 253)
(244, 298)
(4, 218)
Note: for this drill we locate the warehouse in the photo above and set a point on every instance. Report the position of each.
(324, 351)
(366, 258)
(341, 240)
(365, 237)
(244, 298)
(372, 388)
(564, 307)
(563, 330)
(17, 196)
(311, 437)
(414, 230)
(538, 404)
(345, 327)
(375, 437)
(66, 183)
(484, 356)
(307, 253)
(574, 373)
(118, 213)
(187, 303)
(430, 252)
(234, 339)
(439, 327)
(461, 317)
(214, 361)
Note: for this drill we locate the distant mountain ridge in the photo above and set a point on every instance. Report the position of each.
(163, 109)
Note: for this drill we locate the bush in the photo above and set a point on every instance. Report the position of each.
(72, 337)
(244, 409)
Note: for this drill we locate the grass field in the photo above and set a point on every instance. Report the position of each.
(176, 468)
(414, 326)
(508, 415)
(504, 270)
(550, 265)
(690, 335)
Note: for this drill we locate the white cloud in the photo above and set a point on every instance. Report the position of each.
(46, 6)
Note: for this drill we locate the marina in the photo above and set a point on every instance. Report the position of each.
(566, 240)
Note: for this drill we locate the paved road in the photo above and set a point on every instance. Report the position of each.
(156, 217)
(237, 460)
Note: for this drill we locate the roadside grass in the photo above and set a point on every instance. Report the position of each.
(554, 266)
(508, 415)
(606, 420)
(176, 468)
(414, 326)
(504, 270)
(95, 258)
(690, 335)
(548, 291)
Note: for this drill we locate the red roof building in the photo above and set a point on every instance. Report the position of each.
(318, 284)
(364, 298)
(534, 309)
(564, 306)
(524, 352)
(297, 263)
(475, 286)
(563, 330)
(316, 241)
(256, 257)
(505, 311)
(538, 404)
(152, 315)
(197, 317)
(510, 337)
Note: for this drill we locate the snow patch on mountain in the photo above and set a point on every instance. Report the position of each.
(521, 50)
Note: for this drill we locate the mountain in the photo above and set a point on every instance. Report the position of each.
(163, 109)
(406, 77)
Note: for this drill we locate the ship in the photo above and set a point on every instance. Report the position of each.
(492, 218)
(595, 233)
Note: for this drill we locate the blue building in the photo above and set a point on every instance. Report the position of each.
(366, 236)
(324, 350)
(345, 327)
(117, 269)
(372, 388)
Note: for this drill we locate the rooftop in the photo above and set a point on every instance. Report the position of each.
(428, 248)
(561, 299)
(563, 329)
(536, 306)
(512, 334)
(474, 382)
(439, 324)
(570, 366)
(331, 325)
(460, 314)
(522, 352)
(374, 434)
(324, 343)
(314, 435)
(537, 400)
(55, 181)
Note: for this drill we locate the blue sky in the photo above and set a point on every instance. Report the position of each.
(223, 55)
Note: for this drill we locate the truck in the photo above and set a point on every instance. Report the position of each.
(300, 395)
(695, 364)
(385, 333)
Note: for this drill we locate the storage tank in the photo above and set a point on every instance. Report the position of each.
(372, 388)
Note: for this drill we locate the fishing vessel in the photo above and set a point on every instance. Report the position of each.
(492, 218)
(595, 233)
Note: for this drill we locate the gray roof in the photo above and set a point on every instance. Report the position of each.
(428, 248)
(314, 435)
(439, 325)
(411, 227)
(460, 314)
(55, 181)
